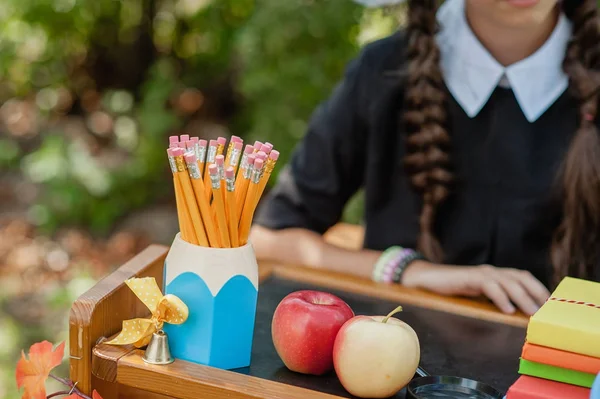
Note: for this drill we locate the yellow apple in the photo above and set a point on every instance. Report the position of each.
(376, 356)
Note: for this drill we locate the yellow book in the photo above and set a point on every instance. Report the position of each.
(570, 319)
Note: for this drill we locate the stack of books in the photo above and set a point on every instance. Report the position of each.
(561, 355)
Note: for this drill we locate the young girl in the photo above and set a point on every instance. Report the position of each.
(474, 134)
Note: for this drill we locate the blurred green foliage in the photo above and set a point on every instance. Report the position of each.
(91, 90)
(260, 66)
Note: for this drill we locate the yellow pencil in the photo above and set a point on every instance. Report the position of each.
(234, 159)
(241, 189)
(243, 164)
(221, 141)
(219, 205)
(220, 162)
(190, 199)
(205, 211)
(210, 159)
(201, 154)
(248, 211)
(231, 209)
(266, 174)
(230, 147)
(182, 217)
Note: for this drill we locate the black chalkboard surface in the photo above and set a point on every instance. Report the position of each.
(450, 344)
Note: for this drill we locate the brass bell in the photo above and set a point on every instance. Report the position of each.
(158, 351)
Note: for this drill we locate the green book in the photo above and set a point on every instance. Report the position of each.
(556, 373)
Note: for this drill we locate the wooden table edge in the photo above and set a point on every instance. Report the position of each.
(182, 379)
(113, 365)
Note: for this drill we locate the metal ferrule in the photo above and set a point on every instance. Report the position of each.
(201, 153)
(244, 162)
(180, 163)
(230, 184)
(261, 171)
(221, 170)
(216, 182)
(269, 166)
(212, 153)
(255, 175)
(235, 157)
(248, 172)
(194, 170)
(172, 164)
(228, 155)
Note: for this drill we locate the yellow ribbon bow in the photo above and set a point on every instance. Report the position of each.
(163, 308)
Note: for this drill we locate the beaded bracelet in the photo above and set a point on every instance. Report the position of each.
(392, 263)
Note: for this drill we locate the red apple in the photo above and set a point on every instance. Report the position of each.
(304, 328)
(376, 356)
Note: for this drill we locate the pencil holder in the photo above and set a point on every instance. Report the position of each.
(220, 288)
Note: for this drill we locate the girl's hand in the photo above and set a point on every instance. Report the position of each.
(503, 286)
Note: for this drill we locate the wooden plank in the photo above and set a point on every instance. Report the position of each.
(345, 235)
(186, 380)
(104, 360)
(100, 311)
(462, 306)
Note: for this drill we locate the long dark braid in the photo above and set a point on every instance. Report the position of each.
(575, 248)
(425, 115)
(576, 242)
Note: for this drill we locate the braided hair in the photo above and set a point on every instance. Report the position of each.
(575, 246)
(427, 159)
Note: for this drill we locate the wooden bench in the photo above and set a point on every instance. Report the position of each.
(119, 372)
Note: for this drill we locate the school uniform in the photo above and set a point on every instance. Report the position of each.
(510, 129)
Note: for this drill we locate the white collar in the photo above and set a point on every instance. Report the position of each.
(472, 74)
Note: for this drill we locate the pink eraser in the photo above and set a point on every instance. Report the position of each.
(221, 140)
(265, 148)
(171, 151)
(174, 144)
(220, 160)
(257, 145)
(251, 159)
(238, 145)
(229, 173)
(249, 149)
(270, 147)
(236, 139)
(185, 137)
(274, 155)
(189, 144)
(178, 152)
(258, 164)
(261, 155)
(194, 139)
(181, 144)
(173, 139)
(212, 169)
(202, 143)
(190, 157)
(213, 143)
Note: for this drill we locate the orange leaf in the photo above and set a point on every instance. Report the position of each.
(96, 395)
(32, 373)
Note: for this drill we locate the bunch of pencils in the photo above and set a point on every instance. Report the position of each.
(218, 186)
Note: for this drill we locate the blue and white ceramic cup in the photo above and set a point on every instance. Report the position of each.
(220, 288)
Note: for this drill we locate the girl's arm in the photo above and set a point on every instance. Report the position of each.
(508, 289)
(297, 246)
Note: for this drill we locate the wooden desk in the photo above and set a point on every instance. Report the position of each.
(459, 336)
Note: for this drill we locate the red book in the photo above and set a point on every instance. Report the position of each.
(527, 387)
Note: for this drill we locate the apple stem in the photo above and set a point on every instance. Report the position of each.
(393, 312)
